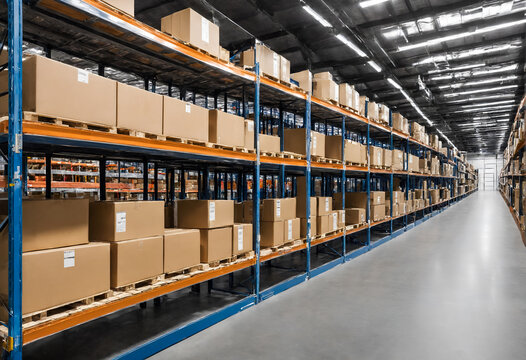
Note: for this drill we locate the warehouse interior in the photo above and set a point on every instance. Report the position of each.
(301, 179)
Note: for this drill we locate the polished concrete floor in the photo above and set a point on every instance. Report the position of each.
(452, 288)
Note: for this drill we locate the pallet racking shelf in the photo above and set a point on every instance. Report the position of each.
(126, 44)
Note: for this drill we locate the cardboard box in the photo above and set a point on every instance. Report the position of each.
(241, 238)
(238, 213)
(325, 90)
(269, 61)
(249, 135)
(205, 214)
(125, 220)
(377, 212)
(226, 129)
(216, 244)
(303, 226)
(322, 224)
(372, 111)
(139, 109)
(333, 221)
(301, 206)
(356, 153)
(127, 6)
(181, 249)
(324, 205)
(356, 200)
(184, 120)
(58, 90)
(341, 218)
(304, 79)
(345, 95)
(354, 216)
(377, 155)
(333, 149)
(284, 73)
(187, 25)
(224, 54)
(136, 260)
(325, 75)
(387, 158)
(49, 223)
(269, 143)
(278, 209)
(271, 233)
(170, 214)
(377, 197)
(295, 141)
(398, 159)
(64, 275)
(291, 230)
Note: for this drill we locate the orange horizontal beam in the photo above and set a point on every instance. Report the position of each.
(52, 327)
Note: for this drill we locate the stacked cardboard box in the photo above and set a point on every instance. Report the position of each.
(377, 156)
(387, 158)
(215, 220)
(355, 153)
(400, 123)
(372, 111)
(279, 224)
(304, 80)
(226, 129)
(326, 219)
(418, 132)
(383, 114)
(399, 203)
(398, 159)
(127, 6)
(349, 97)
(135, 232)
(185, 120)
(271, 64)
(413, 164)
(295, 141)
(435, 196)
(56, 255)
(363, 103)
(324, 87)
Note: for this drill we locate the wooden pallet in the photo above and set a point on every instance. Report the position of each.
(59, 121)
(325, 160)
(381, 167)
(291, 155)
(232, 148)
(200, 50)
(47, 313)
(270, 77)
(139, 284)
(137, 133)
(283, 247)
(352, 227)
(286, 83)
(244, 256)
(184, 140)
(192, 270)
(355, 164)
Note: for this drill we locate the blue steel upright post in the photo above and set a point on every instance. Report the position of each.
(391, 180)
(255, 184)
(14, 340)
(281, 148)
(368, 185)
(343, 180)
(307, 126)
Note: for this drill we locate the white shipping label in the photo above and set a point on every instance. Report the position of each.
(326, 204)
(212, 211)
(278, 208)
(205, 30)
(343, 218)
(276, 65)
(83, 76)
(188, 108)
(334, 221)
(289, 236)
(314, 142)
(240, 238)
(120, 222)
(69, 258)
(251, 126)
(378, 200)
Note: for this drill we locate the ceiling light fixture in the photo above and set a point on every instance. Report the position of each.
(374, 66)
(489, 104)
(394, 83)
(481, 98)
(482, 90)
(479, 82)
(474, 73)
(347, 42)
(465, 67)
(465, 54)
(461, 35)
(486, 108)
(368, 3)
(317, 16)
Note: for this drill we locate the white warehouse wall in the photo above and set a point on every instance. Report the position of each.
(489, 167)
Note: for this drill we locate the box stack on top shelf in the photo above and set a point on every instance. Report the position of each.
(365, 175)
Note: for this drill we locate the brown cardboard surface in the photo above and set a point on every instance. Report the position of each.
(353, 153)
(322, 224)
(333, 220)
(387, 158)
(377, 155)
(55, 277)
(205, 214)
(125, 220)
(238, 213)
(271, 233)
(136, 260)
(241, 238)
(345, 95)
(269, 61)
(249, 135)
(341, 218)
(216, 244)
(304, 79)
(356, 200)
(224, 54)
(325, 75)
(278, 209)
(226, 129)
(284, 72)
(58, 90)
(138, 109)
(185, 120)
(269, 143)
(128, 6)
(354, 216)
(398, 159)
(303, 226)
(291, 230)
(181, 249)
(324, 205)
(301, 206)
(170, 214)
(325, 90)
(187, 25)
(377, 212)
(295, 141)
(377, 197)
(50, 223)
